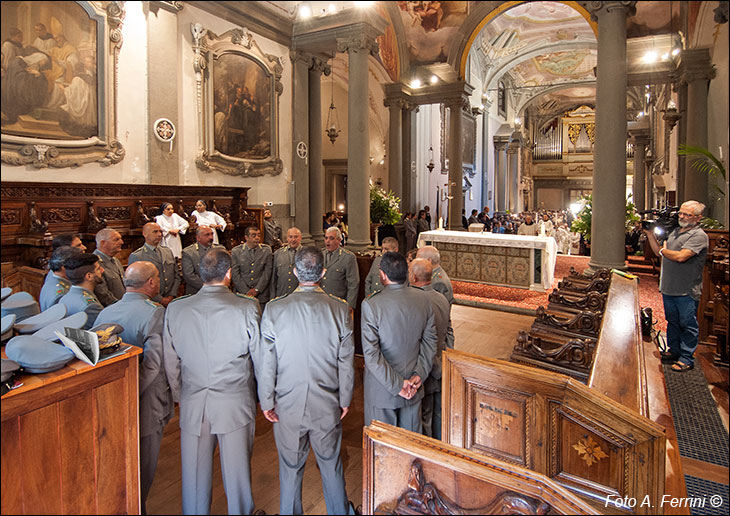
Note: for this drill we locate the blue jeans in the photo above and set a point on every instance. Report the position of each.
(682, 327)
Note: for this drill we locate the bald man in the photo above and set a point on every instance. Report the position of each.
(142, 320)
(439, 279)
(419, 275)
(162, 258)
(283, 280)
(108, 244)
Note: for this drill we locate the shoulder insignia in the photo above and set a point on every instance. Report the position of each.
(152, 303)
(337, 298)
(373, 294)
(179, 298)
(246, 296)
(277, 298)
(60, 290)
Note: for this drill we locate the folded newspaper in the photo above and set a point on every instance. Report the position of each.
(85, 345)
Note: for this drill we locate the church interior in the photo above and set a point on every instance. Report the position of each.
(288, 111)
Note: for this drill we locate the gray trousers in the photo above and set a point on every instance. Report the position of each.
(431, 410)
(149, 450)
(197, 468)
(293, 440)
(408, 417)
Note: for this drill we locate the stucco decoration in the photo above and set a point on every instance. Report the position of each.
(238, 90)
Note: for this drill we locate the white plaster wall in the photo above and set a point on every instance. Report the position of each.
(131, 117)
(265, 188)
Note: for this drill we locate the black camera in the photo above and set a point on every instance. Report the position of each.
(662, 222)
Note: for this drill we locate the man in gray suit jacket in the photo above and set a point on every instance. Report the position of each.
(341, 277)
(307, 382)
(399, 342)
(211, 347)
(84, 273)
(372, 281)
(283, 280)
(142, 321)
(163, 259)
(251, 270)
(420, 272)
(108, 244)
(439, 279)
(192, 255)
(56, 284)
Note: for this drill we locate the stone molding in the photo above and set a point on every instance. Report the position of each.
(597, 9)
(695, 65)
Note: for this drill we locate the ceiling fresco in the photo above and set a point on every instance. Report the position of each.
(429, 28)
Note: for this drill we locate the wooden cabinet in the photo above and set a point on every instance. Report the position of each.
(70, 442)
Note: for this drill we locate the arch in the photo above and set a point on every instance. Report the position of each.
(520, 110)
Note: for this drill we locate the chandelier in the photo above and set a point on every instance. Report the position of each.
(333, 121)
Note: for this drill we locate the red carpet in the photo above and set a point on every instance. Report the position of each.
(648, 290)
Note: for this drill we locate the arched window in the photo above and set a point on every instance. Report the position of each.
(501, 100)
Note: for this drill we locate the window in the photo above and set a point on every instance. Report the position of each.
(501, 100)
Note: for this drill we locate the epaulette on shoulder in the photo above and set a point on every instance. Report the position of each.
(277, 298)
(246, 296)
(152, 303)
(373, 294)
(181, 297)
(337, 298)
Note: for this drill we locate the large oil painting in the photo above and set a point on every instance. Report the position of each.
(49, 70)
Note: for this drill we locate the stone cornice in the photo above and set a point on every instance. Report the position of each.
(695, 65)
(357, 43)
(597, 8)
(254, 17)
(351, 28)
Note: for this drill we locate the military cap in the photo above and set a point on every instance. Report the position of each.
(37, 355)
(22, 305)
(43, 319)
(77, 320)
(6, 291)
(9, 368)
(109, 335)
(7, 323)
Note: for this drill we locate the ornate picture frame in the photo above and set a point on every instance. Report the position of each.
(238, 90)
(74, 52)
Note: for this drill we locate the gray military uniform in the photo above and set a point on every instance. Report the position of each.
(342, 278)
(111, 289)
(54, 288)
(165, 262)
(399, 339)
(191, 257)
(283, 280)
(210, 347)
(372, 281)
(441, 283)
(142, 320)
(272, 232)
(78, 299)
(431, 403)
(308, 376)
(251, 268)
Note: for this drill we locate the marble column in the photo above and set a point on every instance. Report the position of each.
(358, 142)
(696, 70)
(513, 173)
(640, 141)
(609, 172)
(301, 62)
(408, 159)
(485, 158)
(316, 132)
(395, 147)
(456, 165)
(500, 175)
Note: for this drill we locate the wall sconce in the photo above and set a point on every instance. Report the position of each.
(430, 165)
(671, 115)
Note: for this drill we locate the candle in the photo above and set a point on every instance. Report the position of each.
(441, 223)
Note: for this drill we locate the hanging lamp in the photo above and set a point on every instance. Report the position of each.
(333, 121)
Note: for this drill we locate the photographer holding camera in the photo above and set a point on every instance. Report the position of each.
(683, 258)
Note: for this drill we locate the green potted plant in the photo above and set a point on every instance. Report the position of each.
(582, 222)
(384, 213)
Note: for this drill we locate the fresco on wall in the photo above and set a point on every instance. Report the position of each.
(242, 116)
(49, 71)
(430, 27)
(654, 18)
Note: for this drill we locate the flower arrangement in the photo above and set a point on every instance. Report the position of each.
(384, 206)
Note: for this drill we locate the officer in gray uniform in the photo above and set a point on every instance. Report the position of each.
(192, 255)
(163, 259)
(84, 273)
(108, 244)
(439, 279)
(341, 277)
(372, 281)
(283, 280)
(210, 348)
(420, 272)
(252, 262)
(399, 342)
(142, 321)
(307, 383)
(56, 284)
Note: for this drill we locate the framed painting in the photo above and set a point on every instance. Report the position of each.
(58, 83)
(238, 90)
(468, 140)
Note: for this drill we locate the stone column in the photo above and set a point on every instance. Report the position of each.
(408, 149)
(301, 62)
(640, 139)
(485, 155)
(316, 171)
(696, 70)
(650, 188)
(358, 142)
(513, 172)
(500, 175)
(609, 172)
(456, 165)
(395, 148)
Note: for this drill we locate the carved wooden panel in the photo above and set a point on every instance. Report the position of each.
(11, 216)
(407, 473)
(576, 436)
(61, 215)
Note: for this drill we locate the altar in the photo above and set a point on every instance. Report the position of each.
(495, 259)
